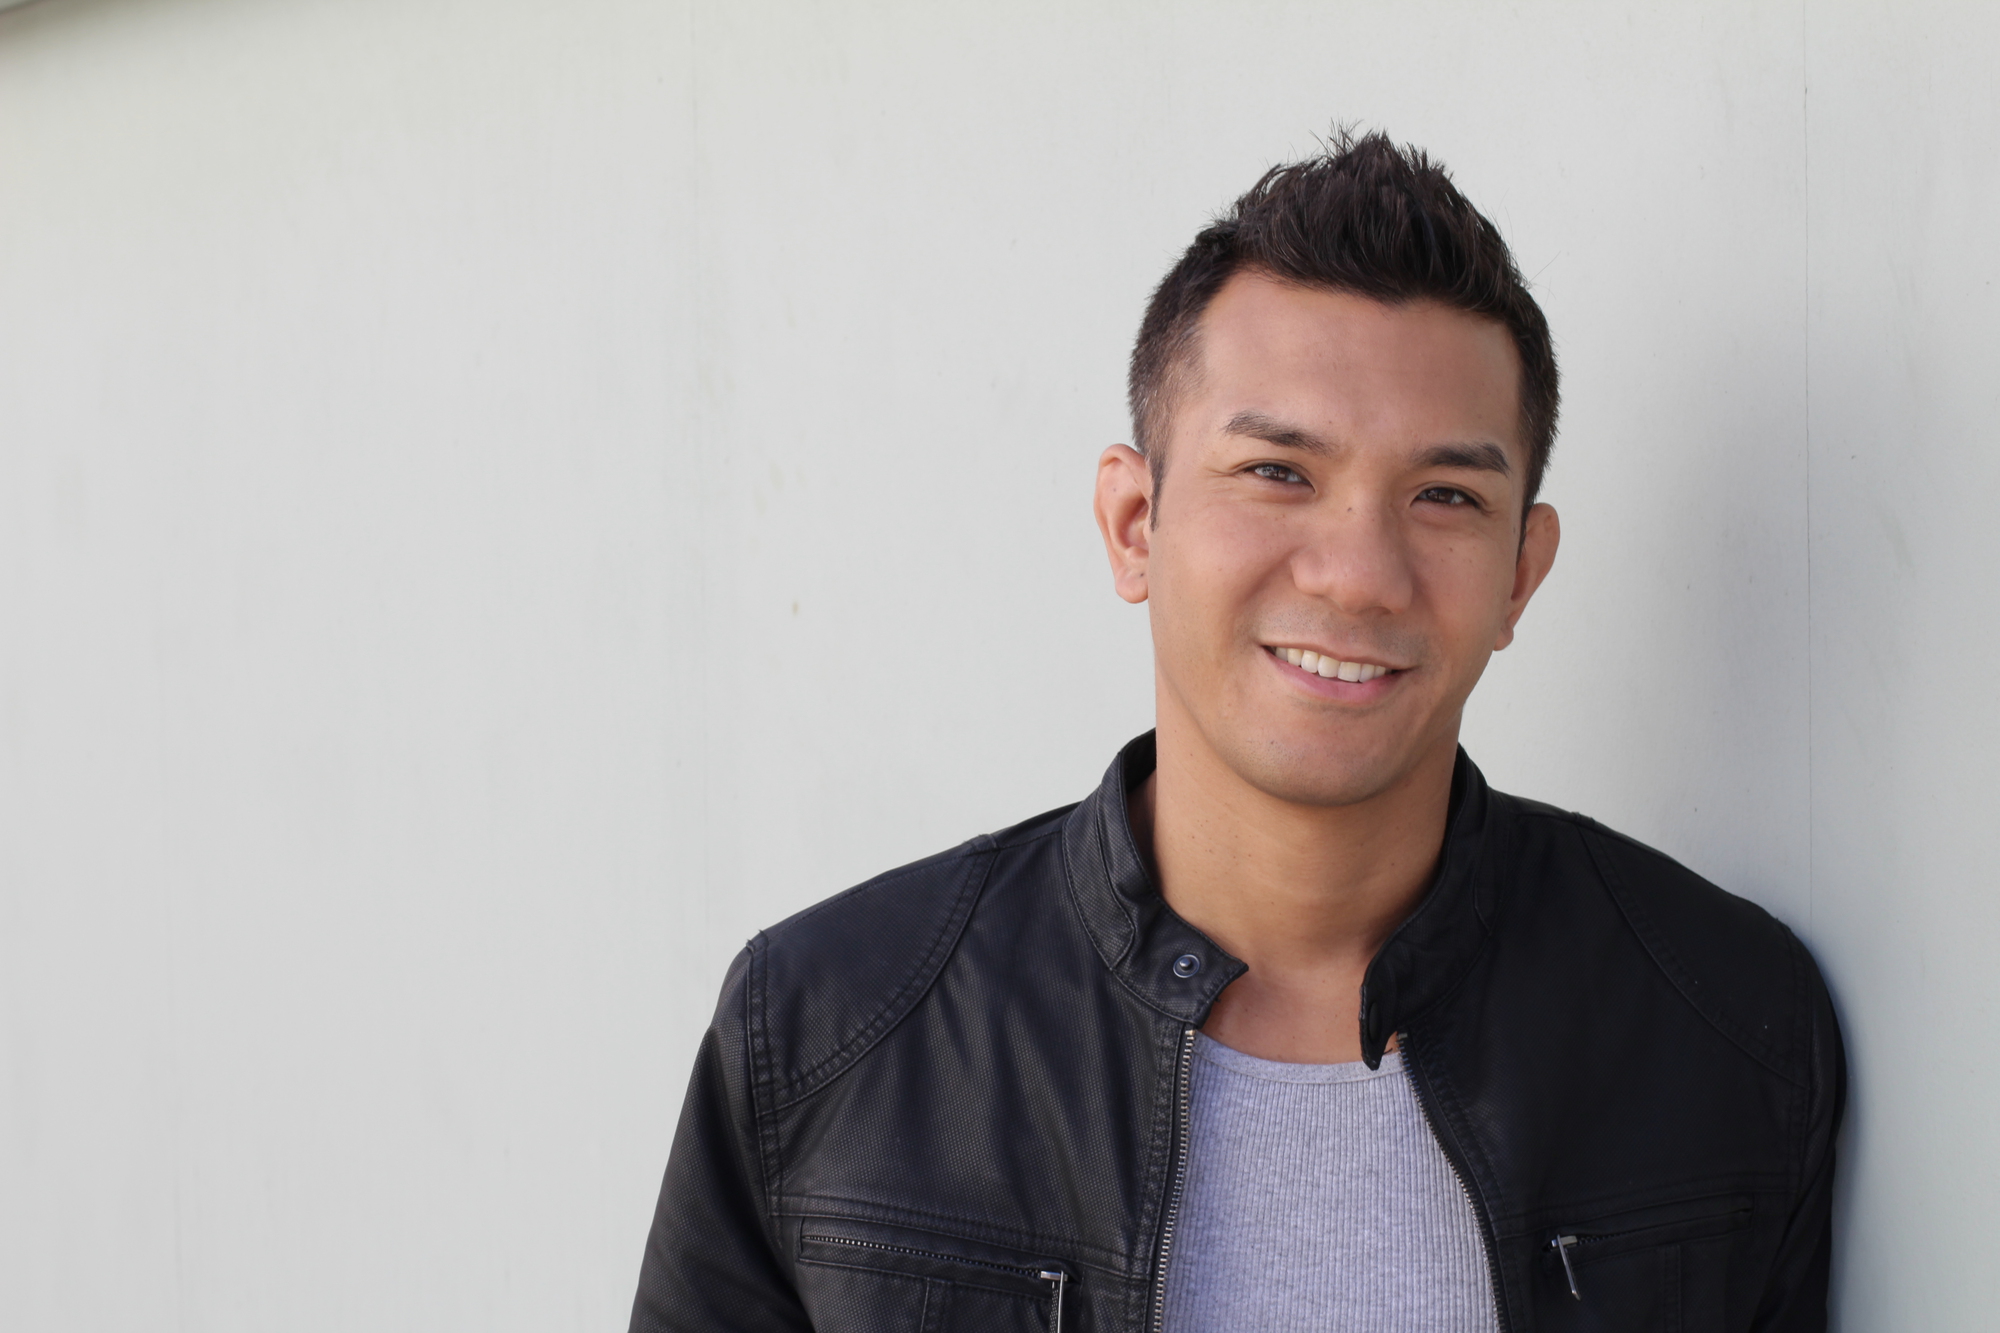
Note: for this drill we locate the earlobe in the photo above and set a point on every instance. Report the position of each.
(1123, 504)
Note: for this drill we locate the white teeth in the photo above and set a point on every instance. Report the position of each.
(1331, 668)
(1328, 668)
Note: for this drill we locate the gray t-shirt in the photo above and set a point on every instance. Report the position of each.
(1317, 1199)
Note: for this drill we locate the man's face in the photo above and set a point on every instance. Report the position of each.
(1343, 478)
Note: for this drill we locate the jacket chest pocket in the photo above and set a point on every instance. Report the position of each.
(864, 1279)
(1654, 1270)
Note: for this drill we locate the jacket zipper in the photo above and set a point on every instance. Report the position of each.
(1181, 1096)
(1464, 1184)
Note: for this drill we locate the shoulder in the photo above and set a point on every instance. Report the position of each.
(855, 939)
(820, 987)
(1714, 932)
(1729, 958)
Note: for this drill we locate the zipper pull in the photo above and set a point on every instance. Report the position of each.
(1561, 1246)
(1058, 1279)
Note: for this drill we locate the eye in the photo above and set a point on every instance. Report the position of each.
(1277, 472)
(1446, 495)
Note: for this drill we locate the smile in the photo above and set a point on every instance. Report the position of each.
(1329, 667)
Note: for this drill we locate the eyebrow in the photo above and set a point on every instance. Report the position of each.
(1478, 455)
(1260, 427)
(1474, 455)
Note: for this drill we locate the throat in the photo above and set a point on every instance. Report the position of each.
(1306, 1017)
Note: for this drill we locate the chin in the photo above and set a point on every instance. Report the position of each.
(1305, 770)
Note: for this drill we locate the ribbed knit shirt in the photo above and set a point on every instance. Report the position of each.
(1317, 1199)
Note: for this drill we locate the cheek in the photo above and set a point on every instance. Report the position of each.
(1467, 585)
(1244, 552)
(1206, 583)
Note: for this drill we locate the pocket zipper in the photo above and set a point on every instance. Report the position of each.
(1564, 1242)
(1561, 1246)
(1057, 1278)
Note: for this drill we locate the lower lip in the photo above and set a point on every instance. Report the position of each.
(1333, 687)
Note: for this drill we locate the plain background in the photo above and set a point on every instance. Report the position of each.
(501, 500)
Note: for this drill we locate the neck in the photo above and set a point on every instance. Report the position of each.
(1303, 894)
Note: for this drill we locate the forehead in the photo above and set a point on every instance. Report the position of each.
(1354, 366)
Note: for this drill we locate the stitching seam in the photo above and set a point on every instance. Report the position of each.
(770, 1163)
(912, 989)
(954, 1226)
(1669, 963)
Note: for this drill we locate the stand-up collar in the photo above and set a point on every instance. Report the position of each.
(1179, 971)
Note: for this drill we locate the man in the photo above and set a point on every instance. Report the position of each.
(1293, 1023)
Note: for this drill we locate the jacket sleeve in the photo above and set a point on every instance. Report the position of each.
(1795, 1297)
(710, 1263)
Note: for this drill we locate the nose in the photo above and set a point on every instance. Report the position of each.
(1356, 558)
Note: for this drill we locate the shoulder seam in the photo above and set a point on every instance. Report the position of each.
(1536, 810)
(969, 848)
(906, 996)
(1022, 839)
(1668, 961)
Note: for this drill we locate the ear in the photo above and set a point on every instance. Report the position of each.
(1539, 538)
(1124, 505)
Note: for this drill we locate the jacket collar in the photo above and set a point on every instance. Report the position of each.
(1149, 948)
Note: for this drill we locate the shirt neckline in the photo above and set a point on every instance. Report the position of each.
(1213, 1052)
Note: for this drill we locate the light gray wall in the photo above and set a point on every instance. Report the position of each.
(500, 500)
(1903, 361)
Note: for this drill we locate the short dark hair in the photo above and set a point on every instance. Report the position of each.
(1365, 216)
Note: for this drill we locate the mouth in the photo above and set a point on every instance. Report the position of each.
(1330, 668)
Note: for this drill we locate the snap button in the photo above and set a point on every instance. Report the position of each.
(1186, 966)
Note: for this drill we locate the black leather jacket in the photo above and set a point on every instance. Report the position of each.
(956, 1096)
